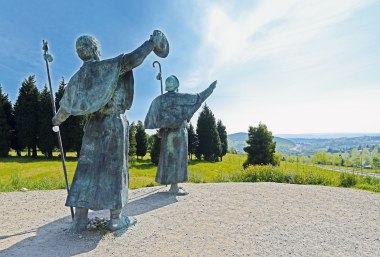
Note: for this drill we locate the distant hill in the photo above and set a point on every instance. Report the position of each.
(238, 141)
(334, 145)
(308, 145)
(327, 135)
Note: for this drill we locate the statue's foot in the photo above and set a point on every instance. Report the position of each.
(120, 223)
(80, 220)
(78, 226)
(181, 192)
(178, 191)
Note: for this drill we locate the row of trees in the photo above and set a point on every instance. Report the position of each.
(27, 123)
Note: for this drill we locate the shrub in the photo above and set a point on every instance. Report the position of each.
(347, 179)
(269, 173)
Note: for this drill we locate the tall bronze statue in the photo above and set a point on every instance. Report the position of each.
(103, 90)
(171, 113)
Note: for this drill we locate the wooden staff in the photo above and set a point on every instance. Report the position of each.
(48, 58)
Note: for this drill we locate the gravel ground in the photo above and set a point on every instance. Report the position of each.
(227, 219)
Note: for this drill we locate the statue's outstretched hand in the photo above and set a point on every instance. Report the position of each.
(213, 84)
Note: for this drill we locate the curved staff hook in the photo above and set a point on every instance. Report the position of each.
(159, 77)
(48, 58)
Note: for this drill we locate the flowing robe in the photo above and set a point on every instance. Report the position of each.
(103, 90)
(170, 113)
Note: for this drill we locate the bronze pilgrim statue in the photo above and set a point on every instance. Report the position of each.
(103, 90)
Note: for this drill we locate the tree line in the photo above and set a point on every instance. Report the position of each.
(27, 125)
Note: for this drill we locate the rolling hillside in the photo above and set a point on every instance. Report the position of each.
(238, 141)
(309, 146)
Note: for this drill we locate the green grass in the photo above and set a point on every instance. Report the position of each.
(306, 175)
(44, 173)
(34, 173)
(143, 172)
(354, 169)
(203, 172)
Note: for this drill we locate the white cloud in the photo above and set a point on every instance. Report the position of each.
(274, 27)
(277, 54)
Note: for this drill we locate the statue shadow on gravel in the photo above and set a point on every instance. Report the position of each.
(55, 238)
(149, 202)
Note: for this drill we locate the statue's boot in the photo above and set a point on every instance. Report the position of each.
(117, 221)
(176, 190)
(80, 219)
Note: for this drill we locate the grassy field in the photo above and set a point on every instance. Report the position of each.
(43, 173)
(353, 169)
(143, 172)
(306, 175)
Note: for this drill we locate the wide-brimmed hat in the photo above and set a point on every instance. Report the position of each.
(162, 48)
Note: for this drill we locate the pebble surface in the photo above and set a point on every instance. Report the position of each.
(223, 219)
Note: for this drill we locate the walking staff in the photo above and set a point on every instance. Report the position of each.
(48, 58)
(159, 76)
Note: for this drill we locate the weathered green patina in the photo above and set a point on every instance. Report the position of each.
(171, 113)
(103, 90)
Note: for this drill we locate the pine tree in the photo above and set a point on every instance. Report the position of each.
(223, 138)
(209, 142)
(5, 142)
(11, 121)
(46, 137)
(72, 128)
(141, 140)
(132, 140)
(5, 126)
(261, 148)
(155, 151)
(11, 118)
(192, 141)
(27, 115)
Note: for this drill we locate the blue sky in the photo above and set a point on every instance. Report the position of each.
(297, 66)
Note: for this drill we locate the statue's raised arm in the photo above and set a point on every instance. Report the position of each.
(208, 91)
(157, 43)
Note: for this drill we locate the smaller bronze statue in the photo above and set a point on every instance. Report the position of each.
(171, 113)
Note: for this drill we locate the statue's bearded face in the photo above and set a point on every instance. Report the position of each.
(88, 48)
